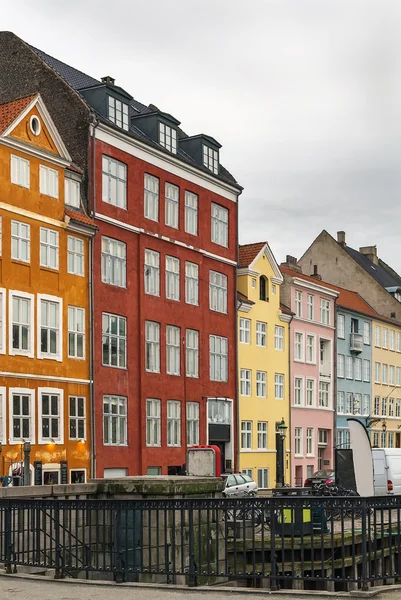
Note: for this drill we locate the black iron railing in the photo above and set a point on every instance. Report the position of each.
(298, 542)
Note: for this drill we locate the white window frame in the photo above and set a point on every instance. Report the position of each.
(172, 278)
(312, 347)
(385, 338)
(377, 372)
(218, 358)
(310, 305)
(168, 137)
(341, 365)
(366, 370)
(173, 350)
(3, 415)
(31, 349)
(219, 225)
(298, 442)
(114, 183)
(173, 423)
(32, 427)
(391, 341)
(279, 386)
(218, 284)
(75, 249)
(391, 375)
(246, 382)
(73, 311)
(72, 192)
(48, 181)
(151, 197)
(340, 403)
(191, 213)
(3, 322)
(384, 373)
(324, 390)
(122, 431)
(262, 435)
(171, 205)
(366, 333)
(152, 272)
(59, 301)
(298, 391)
(312, 390)
(152, 346)
(261, 384)
(310, 442)
(397, 341)
(77, 418)
(246, 435)
(341, 326)
(20, 171)
(120, 340)
(21, 240)
(278, 337)
(114, 265)
(298, 303)
(47, 247)
(192, 353)
(244, 330)
(191, 283)
(299, 343)
(377, 336)
(153, 423)
(358, 369)
(211, 159)
(192, 424)
(325, 306)
(118, 112)
(261, 334)
(51, 392)
(349, 366)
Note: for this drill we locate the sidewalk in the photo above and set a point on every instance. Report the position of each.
(14, 587)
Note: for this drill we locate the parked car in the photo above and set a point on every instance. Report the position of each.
(387, 471)
(324, 476)
(238, 484)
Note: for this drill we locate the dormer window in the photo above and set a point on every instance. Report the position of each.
(118, 112)
(168, 137)
(211, 159)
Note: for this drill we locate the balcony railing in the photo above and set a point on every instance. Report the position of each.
(356, 343)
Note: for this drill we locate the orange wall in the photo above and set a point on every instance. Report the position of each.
(34, 279)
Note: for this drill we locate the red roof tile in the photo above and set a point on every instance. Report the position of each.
(248, 253)
(243, 298)
(285, 309)
(11, 110)
(80, 217)
(346, 299)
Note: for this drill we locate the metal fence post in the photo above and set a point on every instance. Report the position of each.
(364, 571)
(193, 579)
(7, 536)
(58, 562)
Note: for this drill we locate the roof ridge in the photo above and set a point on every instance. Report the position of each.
(20, 98)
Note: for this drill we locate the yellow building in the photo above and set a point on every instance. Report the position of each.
(263, 362)
(385, 417)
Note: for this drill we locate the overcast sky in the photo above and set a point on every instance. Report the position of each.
(304, 96)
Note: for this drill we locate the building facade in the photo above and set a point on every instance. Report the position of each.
(384, 420)
(44, 300)
(312, 348)
(354, 362)
(263, 369)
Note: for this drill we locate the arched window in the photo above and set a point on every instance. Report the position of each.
(263, 287)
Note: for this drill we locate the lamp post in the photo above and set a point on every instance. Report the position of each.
(282, 430)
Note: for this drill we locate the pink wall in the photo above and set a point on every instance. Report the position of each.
(313, 417)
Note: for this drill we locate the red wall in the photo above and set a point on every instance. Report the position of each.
(134, 382)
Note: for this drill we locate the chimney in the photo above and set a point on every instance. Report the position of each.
(315, 273)
(109, 80)
(341, 238)
(392, 315)
(292, 263)
(371, 253)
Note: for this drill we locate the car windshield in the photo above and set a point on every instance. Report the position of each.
(247, 478)
(323, 474)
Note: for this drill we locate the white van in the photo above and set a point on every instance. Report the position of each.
(387, 471)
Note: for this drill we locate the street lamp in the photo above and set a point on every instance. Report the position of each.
(282, 430)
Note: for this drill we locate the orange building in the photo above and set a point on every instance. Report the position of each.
(45, 380)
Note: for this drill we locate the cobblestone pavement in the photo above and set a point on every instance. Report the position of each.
(18, 588)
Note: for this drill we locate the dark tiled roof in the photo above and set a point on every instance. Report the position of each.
(248, 253)
(80, 81)
(11, 110)
(382, 273)
(242, 298)
(75, 78)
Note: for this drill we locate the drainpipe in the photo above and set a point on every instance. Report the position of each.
(237, 433)
(334, 440)
(92, 182)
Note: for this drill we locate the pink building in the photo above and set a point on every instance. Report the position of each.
(312, 376)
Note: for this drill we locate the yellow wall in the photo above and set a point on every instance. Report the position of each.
(267, 359)
(16, 371)
(391, 389)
